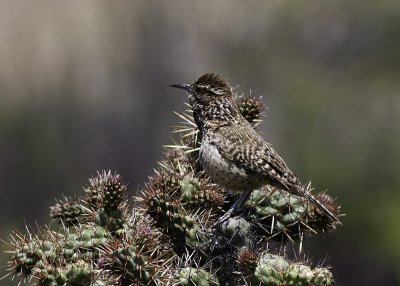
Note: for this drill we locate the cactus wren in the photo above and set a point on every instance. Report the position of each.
(232, 152)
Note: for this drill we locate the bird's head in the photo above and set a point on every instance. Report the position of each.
(208, 88)
(211, 98)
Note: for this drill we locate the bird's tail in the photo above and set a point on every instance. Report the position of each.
(303, 191)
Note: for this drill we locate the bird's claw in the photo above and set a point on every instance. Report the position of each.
(224, 217)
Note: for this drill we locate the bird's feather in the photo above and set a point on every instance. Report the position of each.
(245, 148)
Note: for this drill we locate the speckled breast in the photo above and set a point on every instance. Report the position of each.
(224, 172)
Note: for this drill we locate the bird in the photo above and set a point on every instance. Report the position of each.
(232, 153)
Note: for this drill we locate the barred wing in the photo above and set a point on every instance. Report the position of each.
(245, 147)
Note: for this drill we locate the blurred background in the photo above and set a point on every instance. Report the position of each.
(84, 87)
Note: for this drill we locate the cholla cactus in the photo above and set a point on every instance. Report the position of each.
(252, 108)
(169, 235)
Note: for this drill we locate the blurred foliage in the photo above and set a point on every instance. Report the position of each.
(83, 86)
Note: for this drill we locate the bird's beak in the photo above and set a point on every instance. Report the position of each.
(187, 87)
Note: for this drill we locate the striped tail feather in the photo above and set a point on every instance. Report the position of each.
(303, 191)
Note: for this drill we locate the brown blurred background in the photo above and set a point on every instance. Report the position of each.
(84, 86)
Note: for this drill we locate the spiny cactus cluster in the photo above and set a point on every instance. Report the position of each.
(252, 108)
(169, 234)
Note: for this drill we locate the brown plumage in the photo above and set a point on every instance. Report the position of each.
(232, 152)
